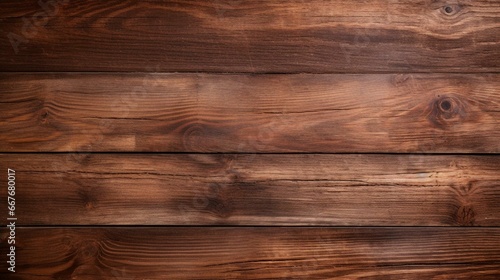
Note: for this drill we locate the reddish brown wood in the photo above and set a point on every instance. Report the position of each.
(280, 36)
(250, 113)
(187, 189)
(396, 123)
(256, 253)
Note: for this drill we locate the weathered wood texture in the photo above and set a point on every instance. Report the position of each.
(283, 36)
(250, 113)
(256, 253)
(251, 139)
(357, 190)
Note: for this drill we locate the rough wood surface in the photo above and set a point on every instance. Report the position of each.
(256, 253)
(281, 36)
(251, 139)
(250, 113)
(186, 189)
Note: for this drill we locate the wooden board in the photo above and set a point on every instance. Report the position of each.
(257, 36)
(256, 253)
(189, 189)
(430, 113)
(250, 139)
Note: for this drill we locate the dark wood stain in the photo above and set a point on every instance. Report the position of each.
(289, 37)
(251, 139)
(257, 253)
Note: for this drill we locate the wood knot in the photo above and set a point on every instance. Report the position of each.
(193, 137)
(67, 241)
(88, 251)
(87, 271)
(89, 205)
(445, 111)
(218, 202)
(465, 216)
(466, 195)
(400, 79)
(44, 116)
(450, 9)
(82, 158)
(88, 198)
(234, 175)
(445, 105)
(218, 207)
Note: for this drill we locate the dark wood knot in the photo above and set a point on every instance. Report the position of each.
(445, 105)
(465, 216)
(445, 111)
(450, 10)
(44, 115)
(88, 251)
(88, 198)
(219, 207)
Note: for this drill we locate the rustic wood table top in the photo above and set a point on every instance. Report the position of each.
(250, 139)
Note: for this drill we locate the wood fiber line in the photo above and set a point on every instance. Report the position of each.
(198, 189)
(256, 253)
(397, 113)
(281, 36)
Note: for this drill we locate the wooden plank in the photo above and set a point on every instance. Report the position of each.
(331, 113)
(255, 253)
(201, 189)
(282, 36)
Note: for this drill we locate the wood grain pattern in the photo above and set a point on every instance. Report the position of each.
(251, 139)
(187, 189)
(250, 113)
(256, 253)
(281, 36)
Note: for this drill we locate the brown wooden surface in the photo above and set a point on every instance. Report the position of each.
(186, 189)
(250, 113)
(280, 36)
(257, 253)
(251, 139)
